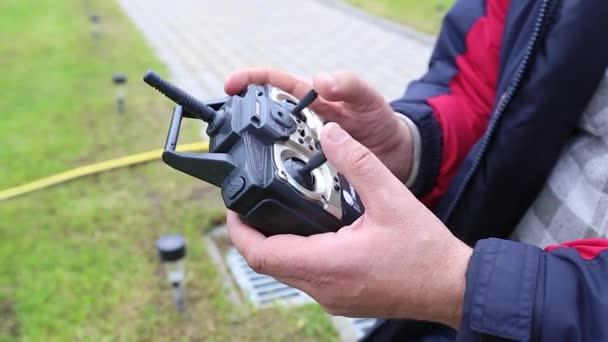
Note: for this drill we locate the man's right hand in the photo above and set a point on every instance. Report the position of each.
(348, 101)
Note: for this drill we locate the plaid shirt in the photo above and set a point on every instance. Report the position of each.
(574, 202)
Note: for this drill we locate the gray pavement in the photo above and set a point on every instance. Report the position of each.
(203, 41)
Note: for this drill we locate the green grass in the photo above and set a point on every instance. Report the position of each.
(424, 15)
(77, 261)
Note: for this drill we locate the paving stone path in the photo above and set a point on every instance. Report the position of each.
(201, 41)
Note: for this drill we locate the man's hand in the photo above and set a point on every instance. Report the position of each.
(396, 261)
(349, 101)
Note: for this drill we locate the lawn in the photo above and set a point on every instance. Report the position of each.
(77, 261)
(422, 15)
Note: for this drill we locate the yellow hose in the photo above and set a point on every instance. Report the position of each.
(94, 169)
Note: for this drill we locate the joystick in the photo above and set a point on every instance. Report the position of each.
(265, 155)
(295, 168)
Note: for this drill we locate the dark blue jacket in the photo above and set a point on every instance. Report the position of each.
(506, 86)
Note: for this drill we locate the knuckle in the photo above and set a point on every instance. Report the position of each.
(269, 72)
(363, 162)
(258, 265)
(257, 261)
(350, 78)
(365, 97)
(261, 74)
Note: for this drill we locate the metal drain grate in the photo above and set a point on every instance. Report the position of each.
(362, 325)
(263, 291)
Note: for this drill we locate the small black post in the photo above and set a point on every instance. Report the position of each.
(120, 81)
(172, 252)
(95, 20)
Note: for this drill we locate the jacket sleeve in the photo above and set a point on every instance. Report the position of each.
(451, 103)
(519, 292)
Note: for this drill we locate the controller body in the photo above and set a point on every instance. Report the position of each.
(255, 147)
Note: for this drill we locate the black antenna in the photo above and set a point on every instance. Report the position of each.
(179, 96)
(314, 162)
(306, 101)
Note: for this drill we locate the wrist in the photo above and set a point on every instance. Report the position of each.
(440, 296)
(453, 285)
(416, 151)
(399, 148)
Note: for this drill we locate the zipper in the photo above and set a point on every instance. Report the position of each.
(503, 102)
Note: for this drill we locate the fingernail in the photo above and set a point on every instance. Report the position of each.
(335, 134)
(329, 80)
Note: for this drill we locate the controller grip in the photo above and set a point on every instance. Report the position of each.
(297, 216)
(271, 217)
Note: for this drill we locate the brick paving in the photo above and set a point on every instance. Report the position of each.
(202, 41)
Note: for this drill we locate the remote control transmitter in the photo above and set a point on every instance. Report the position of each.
(265, 155)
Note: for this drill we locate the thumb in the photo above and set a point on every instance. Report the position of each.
(356, 94)
(373, 181)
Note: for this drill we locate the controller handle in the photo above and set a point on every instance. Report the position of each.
(209, 167)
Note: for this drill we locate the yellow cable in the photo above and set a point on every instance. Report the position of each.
(94, 169)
